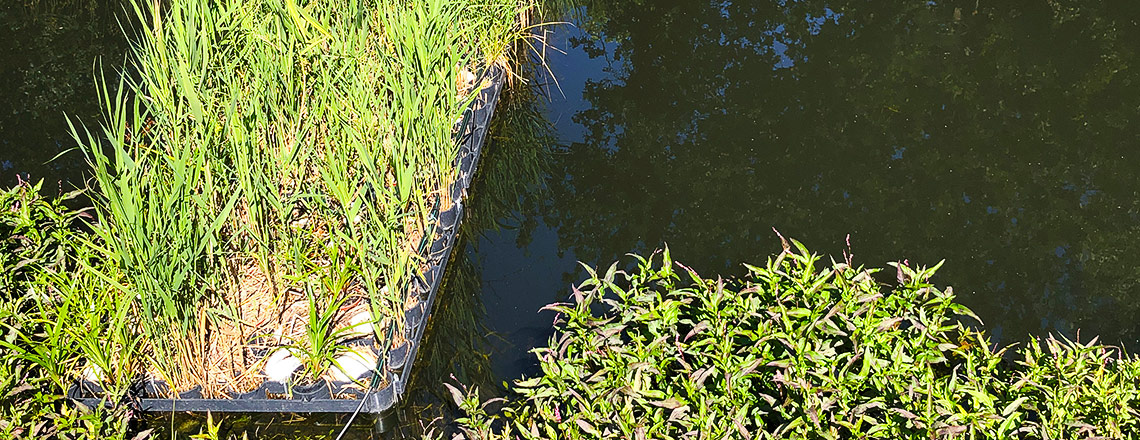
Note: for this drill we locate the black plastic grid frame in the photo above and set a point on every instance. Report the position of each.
(337, 397)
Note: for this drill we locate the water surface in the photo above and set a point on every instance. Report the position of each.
(50, 56)
(999, 137)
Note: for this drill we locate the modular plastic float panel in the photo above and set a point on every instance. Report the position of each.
(336, 397)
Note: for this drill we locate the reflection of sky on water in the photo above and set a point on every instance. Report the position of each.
(572, 71)
(704, 135)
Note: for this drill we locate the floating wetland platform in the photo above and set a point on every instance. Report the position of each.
(331, 397)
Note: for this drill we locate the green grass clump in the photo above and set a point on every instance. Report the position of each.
(278, 140)
(799, 349)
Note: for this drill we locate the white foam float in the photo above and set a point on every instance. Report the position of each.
(92, 373)
(280, 365)
(359, 325)
(352, 365)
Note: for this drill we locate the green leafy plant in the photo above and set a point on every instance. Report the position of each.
(320, 347)
(798, 349)
(49, 324)
(35, 235)
(209, 431)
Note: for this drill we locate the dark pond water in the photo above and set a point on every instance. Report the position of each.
(999, 137)
(50, 55)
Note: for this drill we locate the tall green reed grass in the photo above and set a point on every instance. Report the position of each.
(271, 131)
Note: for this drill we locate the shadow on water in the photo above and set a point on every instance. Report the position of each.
(507, 195)
(48, 68)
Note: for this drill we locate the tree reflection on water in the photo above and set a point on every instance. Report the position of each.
(1000, 137)
(48, 65)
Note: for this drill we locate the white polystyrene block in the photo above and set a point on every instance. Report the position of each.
(360, 325)
(92, 373)
(353, 365)
(280, 365)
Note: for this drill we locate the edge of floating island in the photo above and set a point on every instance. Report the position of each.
(325, 396)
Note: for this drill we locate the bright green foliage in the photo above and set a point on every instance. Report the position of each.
(798, 349)
(45, 326)
(309, 139)
(35, 236)
(1085, 389)
(293, 137)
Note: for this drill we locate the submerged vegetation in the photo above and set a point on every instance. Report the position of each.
(507, 191)
(799, 349)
